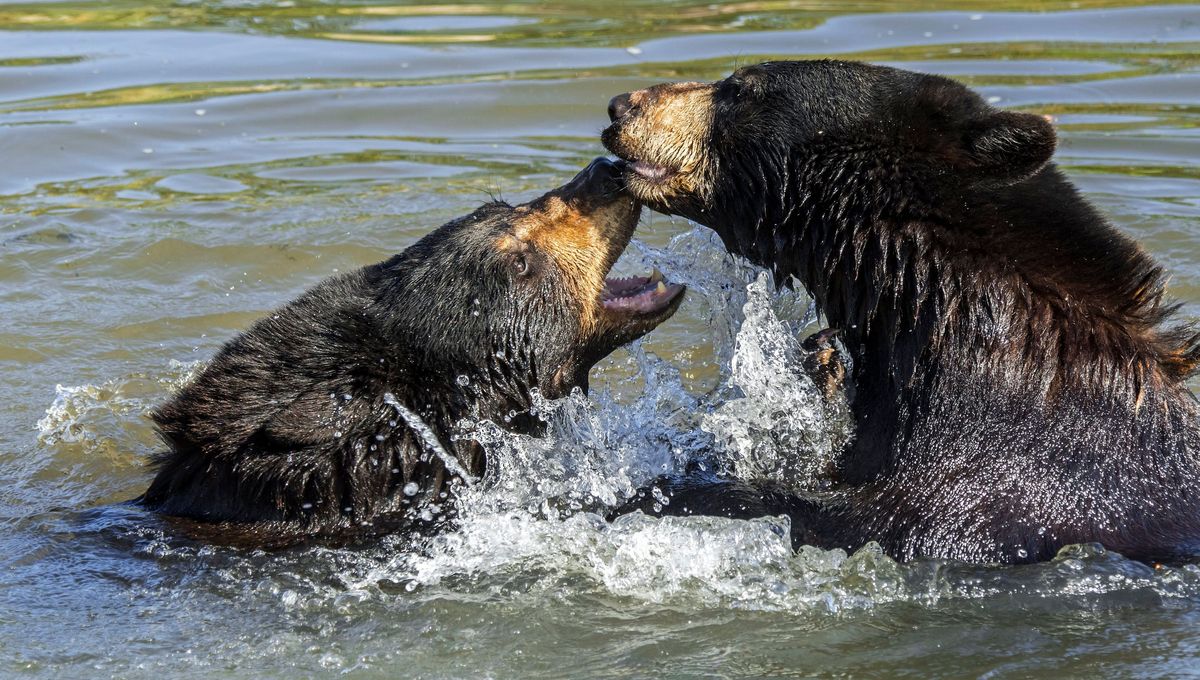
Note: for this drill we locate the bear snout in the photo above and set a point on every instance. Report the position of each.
(620, 106)
(602, 177)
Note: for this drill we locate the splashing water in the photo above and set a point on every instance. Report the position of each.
(534, 527)
(774, 424)
(429, 438)
(66, 419)
(540, 506)
(88, 415)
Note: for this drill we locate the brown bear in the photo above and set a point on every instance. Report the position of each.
(1018, 375)
(332, 418)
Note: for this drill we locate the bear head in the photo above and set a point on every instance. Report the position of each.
(716, 152)
(293, 430)
(513, 298)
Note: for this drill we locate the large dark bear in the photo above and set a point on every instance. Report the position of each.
(332, 417)
(1017, 377)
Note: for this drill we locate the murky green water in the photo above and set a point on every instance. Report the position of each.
(174, 170)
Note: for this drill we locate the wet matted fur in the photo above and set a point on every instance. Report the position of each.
(1018, 373)
(332, 418)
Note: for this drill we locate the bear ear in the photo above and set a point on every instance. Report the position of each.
(1007, 146)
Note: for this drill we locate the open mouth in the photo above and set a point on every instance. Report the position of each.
(655, 174)
(640, 294)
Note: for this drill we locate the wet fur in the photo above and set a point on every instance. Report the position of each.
(291, 433)
(1018, 372)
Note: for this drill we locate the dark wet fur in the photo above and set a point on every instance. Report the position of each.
(288, 434)
(1018, 372)
(264, 442)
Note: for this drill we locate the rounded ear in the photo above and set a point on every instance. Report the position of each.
(1006, 146)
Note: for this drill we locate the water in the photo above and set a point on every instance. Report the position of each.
(173, 171)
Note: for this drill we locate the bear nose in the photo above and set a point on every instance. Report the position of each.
(601, 176)
(620, 105)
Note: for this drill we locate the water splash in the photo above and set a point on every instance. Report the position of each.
(771, 421)
(429, 438)
(533, 527)
(67, 419)
(541, 503)
(94, 416)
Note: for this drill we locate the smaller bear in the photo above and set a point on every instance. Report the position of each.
(1018, 376)
(331, 418)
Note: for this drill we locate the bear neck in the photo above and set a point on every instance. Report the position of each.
(1010, 295)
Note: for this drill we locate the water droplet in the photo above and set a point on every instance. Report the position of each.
(660, 497)
(411, 488)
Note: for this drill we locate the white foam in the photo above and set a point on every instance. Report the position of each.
(774, 424)
(540, 506)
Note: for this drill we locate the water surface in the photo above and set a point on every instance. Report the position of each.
(175, 170)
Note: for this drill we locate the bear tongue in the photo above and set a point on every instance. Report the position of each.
(639, 293)
(630, 285)
(652, 299)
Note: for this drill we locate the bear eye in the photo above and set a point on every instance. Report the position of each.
(520, 264)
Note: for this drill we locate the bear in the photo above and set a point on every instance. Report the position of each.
(1017, 373)
(332, 418)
